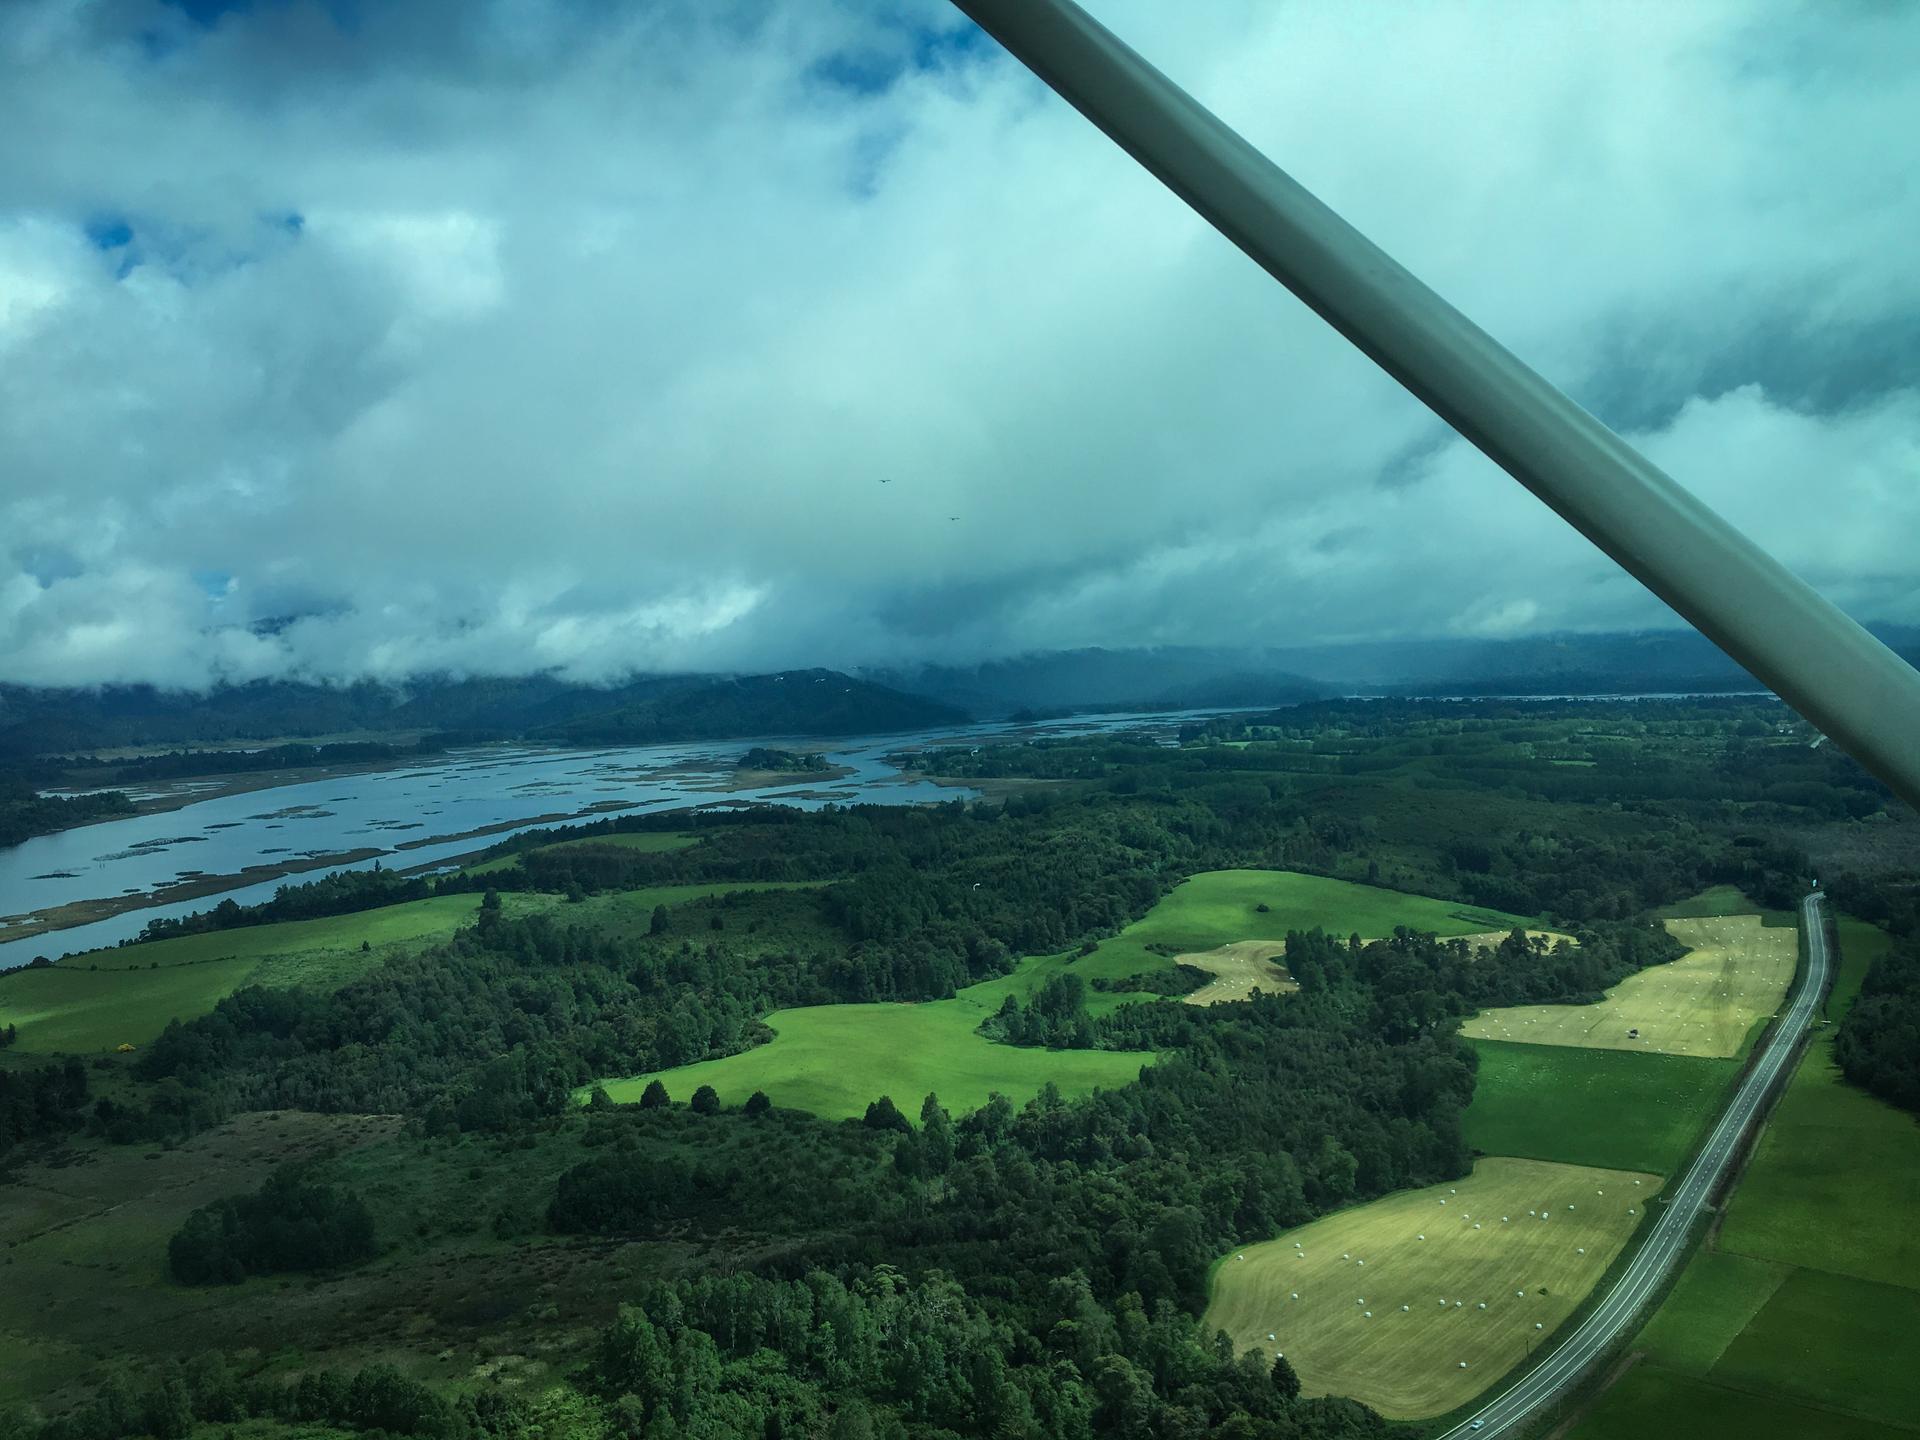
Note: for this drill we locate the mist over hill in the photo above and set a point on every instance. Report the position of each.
(647, 709)
(658, 708)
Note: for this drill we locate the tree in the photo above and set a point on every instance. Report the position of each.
(1284, 1379)
(936, 1130)
(706, 1101)
(883, 1114)
(168, 1412)
(599, 1099)
(758, 1103)
(655, 1096)
(659, 923)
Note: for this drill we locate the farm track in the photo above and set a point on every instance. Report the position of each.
(1666, 1245)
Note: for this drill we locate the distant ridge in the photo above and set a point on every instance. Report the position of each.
(648, 708)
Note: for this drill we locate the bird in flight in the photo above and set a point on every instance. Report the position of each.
(886, 480)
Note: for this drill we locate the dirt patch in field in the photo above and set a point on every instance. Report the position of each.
(1238, 970)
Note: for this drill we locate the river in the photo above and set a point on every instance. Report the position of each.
(427, 812)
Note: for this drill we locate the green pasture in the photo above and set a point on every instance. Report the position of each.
(835, 1059)
(1836, 1177)
(126, 995)
(1831, 1340)
(1654, 1402)
(1219, 907)
(1790, 1325)
(650, 842)
(1617, 1109)
(1717, 1297)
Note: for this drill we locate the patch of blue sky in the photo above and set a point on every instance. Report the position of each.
(873, 69)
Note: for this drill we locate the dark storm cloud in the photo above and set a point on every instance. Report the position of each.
(343, 340)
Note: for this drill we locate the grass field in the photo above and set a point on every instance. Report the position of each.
(1704, 1003)
(1348, 1333)
(1611, 1108)
(1723, 900)
(1835, 1181)
(651, 842)
(835, 1059)
(1222, 907)
(126, 995)
(1795, 1322)
(1238, 970)
(1717, 1297)
(1654, 1402)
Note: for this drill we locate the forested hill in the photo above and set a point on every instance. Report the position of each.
(796, 702)
(655, 707)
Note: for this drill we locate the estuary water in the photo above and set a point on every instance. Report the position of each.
(426, 813)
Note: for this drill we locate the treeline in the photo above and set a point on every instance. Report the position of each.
(179, 763)
(25, 813)
(41, 1102)
(887, 1356)
(761, 757)
(290, 1224)
(1414, 983)
(500, 1024)
(376, 1400)
(1878, 1046)
(342, 893)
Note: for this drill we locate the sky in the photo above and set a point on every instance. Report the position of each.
(350, 340)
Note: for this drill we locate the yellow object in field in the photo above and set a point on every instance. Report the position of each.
(124, 1049)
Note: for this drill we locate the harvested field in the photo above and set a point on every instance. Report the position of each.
(1705, 1003)
(1387, 1316)
(1238, 970)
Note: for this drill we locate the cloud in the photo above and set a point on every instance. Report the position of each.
(512, 336)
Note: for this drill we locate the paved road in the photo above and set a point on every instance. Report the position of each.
(1665, 1245)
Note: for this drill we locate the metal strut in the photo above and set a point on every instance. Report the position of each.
(1817, 659)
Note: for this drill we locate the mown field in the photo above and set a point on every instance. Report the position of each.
(1593, 1107)
(835, 1059)
(1705, 1003)
(1724, 900)
(1238, 970)
(1385, 1301)
(1795, 1319)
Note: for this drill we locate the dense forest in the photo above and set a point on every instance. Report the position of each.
(25, 812)
(1879, 1042)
